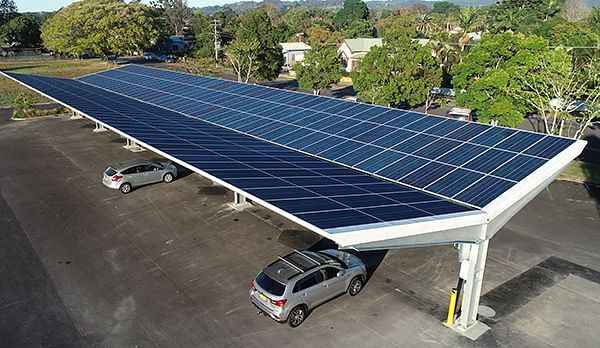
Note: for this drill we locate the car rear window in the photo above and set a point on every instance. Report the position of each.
(110, 172)
(270, 285)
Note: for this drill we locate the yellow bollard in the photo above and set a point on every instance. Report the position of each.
(451, 308)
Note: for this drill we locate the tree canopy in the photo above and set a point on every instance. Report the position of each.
(204, 33)
(256, 44)
(485, 79)
(102, 27)
(444, 7)
(21, 31)
(176, 12)
(554, 87)
(400, 74)
(320, 69)
(8, 11)
(351, 11)
(358, 28)
(397, 28)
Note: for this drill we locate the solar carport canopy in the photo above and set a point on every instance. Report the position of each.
(352, 172)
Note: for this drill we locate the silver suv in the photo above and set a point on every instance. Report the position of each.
(126, 176)
(289, 288)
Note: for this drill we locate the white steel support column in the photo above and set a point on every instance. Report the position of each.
(472, 268)
(75, 115)
(99, 128)
(238, 199)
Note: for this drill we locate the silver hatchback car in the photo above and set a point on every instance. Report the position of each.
(289, 288)
(126, 176)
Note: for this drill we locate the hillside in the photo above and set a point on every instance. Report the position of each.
(242, 6)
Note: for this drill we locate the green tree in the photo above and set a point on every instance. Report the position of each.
(177, 14)
(397, 28)
(424, 25)
(228, 19)
(578, 35)
(301, 18)
(359, 28)
(320, 69)
(8, 11)
(22, 31)
(242, 55)
(351, 11)
(594, 20)
(485, 79)
(400, 74)
(444, 7)
(204, 33)
(318, 35)
(555, 87)
(102, 27)
(524, 16)
(256, 26)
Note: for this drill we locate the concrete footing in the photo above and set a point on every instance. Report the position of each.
(472, 332)
(75, 116)
(133, 146)
(99, 128)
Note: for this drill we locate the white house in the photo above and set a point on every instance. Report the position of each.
(293, 52)
(352, 51)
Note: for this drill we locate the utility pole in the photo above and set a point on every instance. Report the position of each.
(217, 43)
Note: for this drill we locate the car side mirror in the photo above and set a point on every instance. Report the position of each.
(340, 273)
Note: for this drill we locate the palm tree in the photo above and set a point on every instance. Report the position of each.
(469, 20)
(424, 24)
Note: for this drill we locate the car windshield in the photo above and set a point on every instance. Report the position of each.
(333, 258)
(270, 285)
(110, 172)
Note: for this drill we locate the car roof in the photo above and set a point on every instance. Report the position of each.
(129, 164)
(286, 268)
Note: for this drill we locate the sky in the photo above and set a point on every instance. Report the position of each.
(53, 5)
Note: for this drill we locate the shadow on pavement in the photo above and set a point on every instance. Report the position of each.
(32, 312)
(520, 290)
(591, 153)
(371, 259)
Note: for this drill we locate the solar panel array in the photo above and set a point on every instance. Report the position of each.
(464, 161)
(322, 193)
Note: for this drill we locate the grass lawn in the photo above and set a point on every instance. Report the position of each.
(582, 172)
(10, 90)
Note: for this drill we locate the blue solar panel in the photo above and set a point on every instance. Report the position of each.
(322, 193)
(478, 149)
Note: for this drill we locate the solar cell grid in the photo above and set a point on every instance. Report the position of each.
(220, 152)
(342, 121)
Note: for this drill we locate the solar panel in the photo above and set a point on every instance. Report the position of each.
(389, 143)
(322, 193)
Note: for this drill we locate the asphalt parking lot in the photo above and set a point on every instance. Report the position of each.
(169, 265)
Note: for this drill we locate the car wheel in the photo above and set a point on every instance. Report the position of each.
(356, 285)
(125, 188)
(168, 178)
(297, 316)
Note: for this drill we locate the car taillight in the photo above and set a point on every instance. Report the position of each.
(252, 285)
(116, 177)
(279, 303)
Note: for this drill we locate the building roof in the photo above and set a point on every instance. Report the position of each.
(362, 44)
(294, 46)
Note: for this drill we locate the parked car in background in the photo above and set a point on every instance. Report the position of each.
(161, 58)
(127, 176)
(289, 288)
